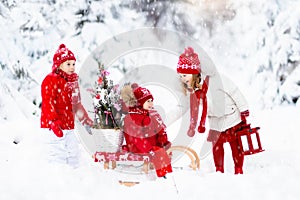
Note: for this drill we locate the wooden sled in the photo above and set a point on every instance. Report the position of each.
(113, 158)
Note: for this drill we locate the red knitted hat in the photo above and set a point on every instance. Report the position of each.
(189, 62)
(61, 55)
(141, 94)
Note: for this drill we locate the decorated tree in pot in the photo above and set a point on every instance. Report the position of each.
(106, 101)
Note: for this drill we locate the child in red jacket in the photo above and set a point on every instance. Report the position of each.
(144, 129)
(60, 103)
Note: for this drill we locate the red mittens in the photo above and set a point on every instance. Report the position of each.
(55, 127)
(163, 141)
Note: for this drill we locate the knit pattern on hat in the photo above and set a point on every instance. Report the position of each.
(61, 55)
(141, 94)
(189, 62)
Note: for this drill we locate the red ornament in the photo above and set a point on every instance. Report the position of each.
(100, 80)
(97, 96)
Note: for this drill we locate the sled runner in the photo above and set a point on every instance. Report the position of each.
(195, 161)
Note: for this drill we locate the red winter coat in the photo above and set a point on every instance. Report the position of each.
(145, 132)
(144, 129)
(60, 97)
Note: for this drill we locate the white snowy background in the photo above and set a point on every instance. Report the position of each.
(256, 43)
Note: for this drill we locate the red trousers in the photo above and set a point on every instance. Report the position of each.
(218, 139)
(237, 154)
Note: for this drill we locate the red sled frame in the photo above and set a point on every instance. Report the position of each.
(113, 157)
(247, 131)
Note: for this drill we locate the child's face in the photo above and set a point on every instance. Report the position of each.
(148, 105)
(186, 79)
(68, 66)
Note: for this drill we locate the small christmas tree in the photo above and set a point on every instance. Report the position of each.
(106, 101)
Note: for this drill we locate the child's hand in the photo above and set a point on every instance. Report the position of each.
(163, 141)
(162, 138)
(55, 127)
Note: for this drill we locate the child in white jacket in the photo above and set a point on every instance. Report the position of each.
(223, 104)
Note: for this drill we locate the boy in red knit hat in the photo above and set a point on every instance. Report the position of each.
(144, 129)
(60, 103)
(226, 110)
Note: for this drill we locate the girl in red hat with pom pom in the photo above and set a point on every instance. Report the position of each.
(223, 104)
(144, 129)
(60, 103)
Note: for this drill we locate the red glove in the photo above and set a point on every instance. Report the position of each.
(162, 138)
(244, 115)
(55, 127)
(201, 128)
(163, 141)
(125, 148)
(191, 131)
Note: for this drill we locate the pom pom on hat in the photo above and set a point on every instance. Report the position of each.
(62, 46)
(134, 86)
(61, 55)
(189, 62)
(127, 96)
(141, 94)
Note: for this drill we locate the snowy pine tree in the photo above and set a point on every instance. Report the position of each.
(278, 53)
(257, 39)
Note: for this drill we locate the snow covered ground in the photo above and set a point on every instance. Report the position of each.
(272, 174)
(241, 48)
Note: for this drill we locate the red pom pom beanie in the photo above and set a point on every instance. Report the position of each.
(141, 94)
(189, 62)
(61, 55)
